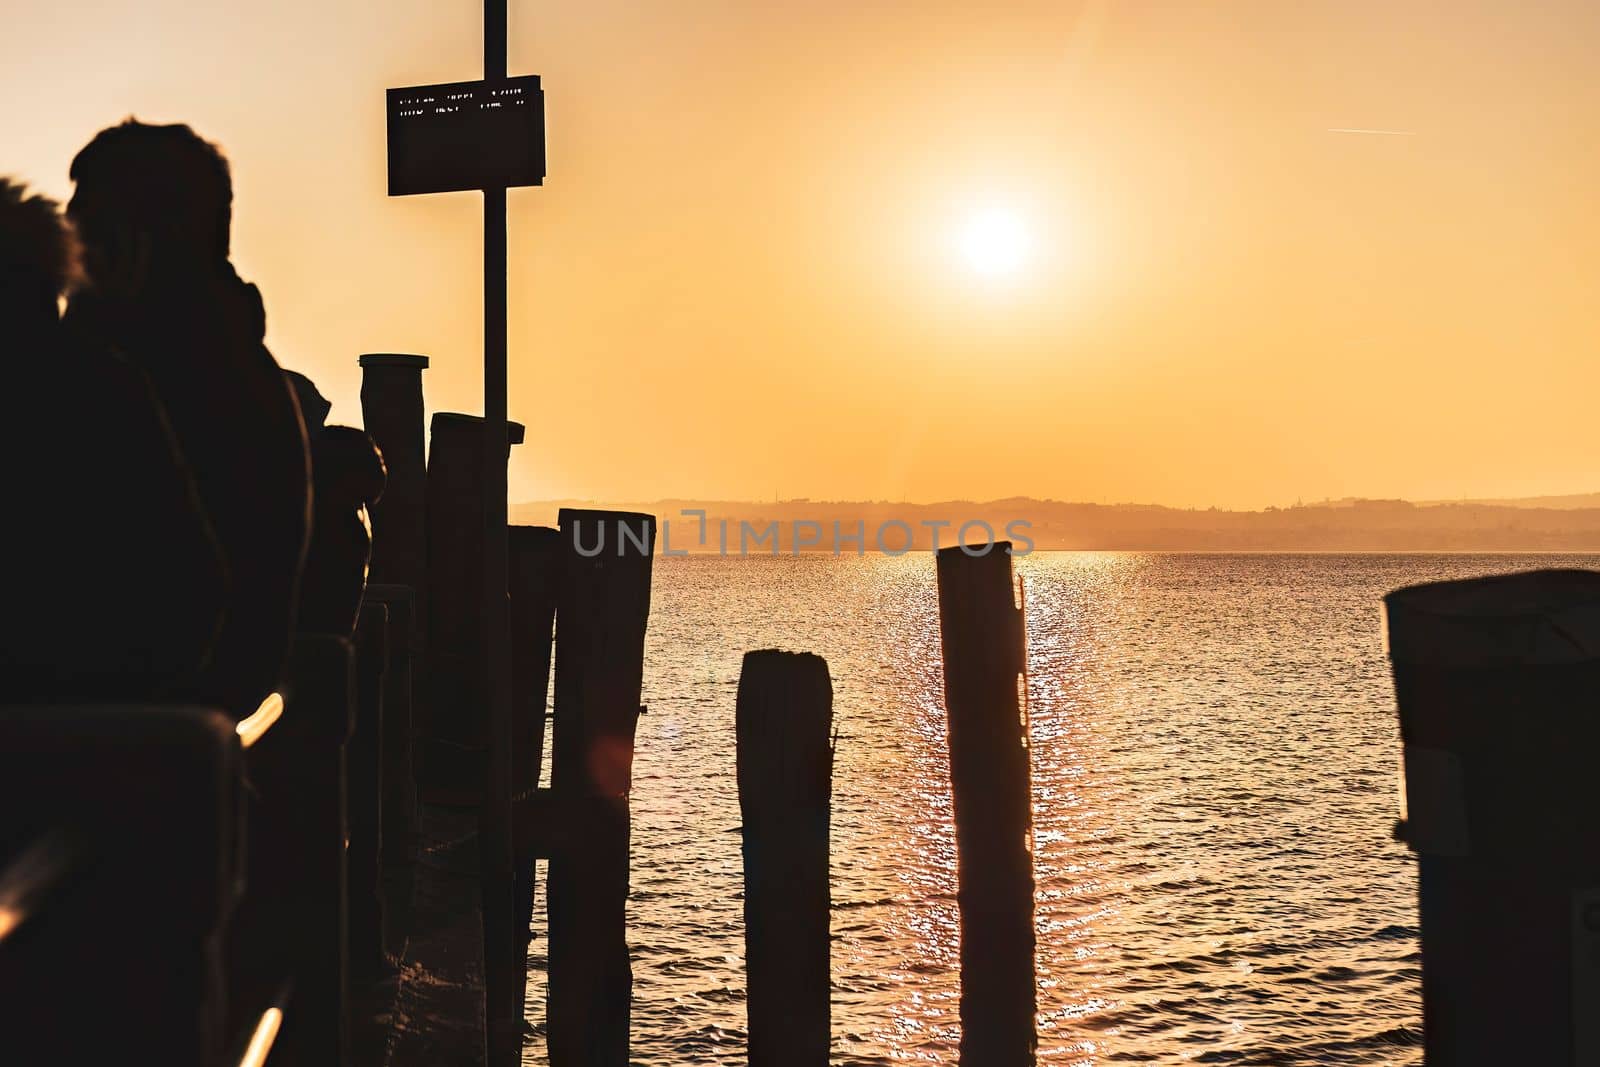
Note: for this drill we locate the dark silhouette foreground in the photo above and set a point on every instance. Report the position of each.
(153, 207)
(114, 583)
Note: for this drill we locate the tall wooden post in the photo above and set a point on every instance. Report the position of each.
(458, 716)
(535, 562)
(602, 606)
(301, 775)
(398, 808)
(535, 566)
(392, 412)
(364, 793)
(785, 758)
(984, 661)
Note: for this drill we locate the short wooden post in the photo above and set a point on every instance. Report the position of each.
(785, 759)
(984, 660)
(1496, 679)
(364, 791)
(454, 738)
(391, 407)
(603, 603)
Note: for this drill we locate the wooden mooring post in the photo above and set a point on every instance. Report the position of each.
(535, 561)
(398, 807)
(785, 759)
(985, 655)
(364, 793)
(300, 857)
(454, 741)
(392, 412)
(1496, 681)
(602, 606)
(532, 559)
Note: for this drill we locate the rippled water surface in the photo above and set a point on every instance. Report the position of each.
(1215, 766)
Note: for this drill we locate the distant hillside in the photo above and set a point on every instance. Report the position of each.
(1570, 502)
(1335, 526)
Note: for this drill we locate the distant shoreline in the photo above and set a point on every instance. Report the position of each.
(1342, 527)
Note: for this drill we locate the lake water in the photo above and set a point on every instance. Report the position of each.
(1215, 774)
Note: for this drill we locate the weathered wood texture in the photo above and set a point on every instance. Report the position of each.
(785, 760)
(603, 603)
(984, 659)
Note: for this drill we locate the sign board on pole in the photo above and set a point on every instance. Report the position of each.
(466, 135)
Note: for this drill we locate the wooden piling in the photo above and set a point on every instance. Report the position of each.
(454, 739)
(364, 792)
(298, 850)
(393, 413)
(984, 661)
(391, 408)
(785, 759)
(534, 563)
(603, 603)
(508, 871)
(399, 807)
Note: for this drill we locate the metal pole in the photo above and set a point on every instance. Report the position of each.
(502, 1001)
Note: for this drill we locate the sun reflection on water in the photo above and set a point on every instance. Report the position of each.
(1213, 745)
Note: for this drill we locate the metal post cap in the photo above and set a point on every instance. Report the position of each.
(393, 359)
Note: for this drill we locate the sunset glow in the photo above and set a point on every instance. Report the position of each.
(995, 242)
(789, 534)
(814, 216)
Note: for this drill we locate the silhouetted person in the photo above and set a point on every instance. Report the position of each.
(113, 584)
(314, 407)
(347, 473)
(153, 206)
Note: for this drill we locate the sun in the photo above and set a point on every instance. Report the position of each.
(995, 242)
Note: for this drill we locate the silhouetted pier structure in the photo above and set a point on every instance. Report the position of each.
(336, 907)
(344, 875)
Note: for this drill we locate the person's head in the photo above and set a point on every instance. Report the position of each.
(38, 259)
(151, 198)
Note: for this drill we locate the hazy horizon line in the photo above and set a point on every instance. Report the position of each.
(1575, 501)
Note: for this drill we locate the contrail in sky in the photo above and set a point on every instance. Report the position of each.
(1379, 133)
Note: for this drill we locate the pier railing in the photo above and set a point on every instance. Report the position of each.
(173, 880)
(121, 850)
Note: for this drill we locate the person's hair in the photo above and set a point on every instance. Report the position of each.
(167, 179)
(38, 254)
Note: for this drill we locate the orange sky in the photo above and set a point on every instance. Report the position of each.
(741, 278)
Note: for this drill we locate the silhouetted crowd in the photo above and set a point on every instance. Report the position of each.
(177, 507)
